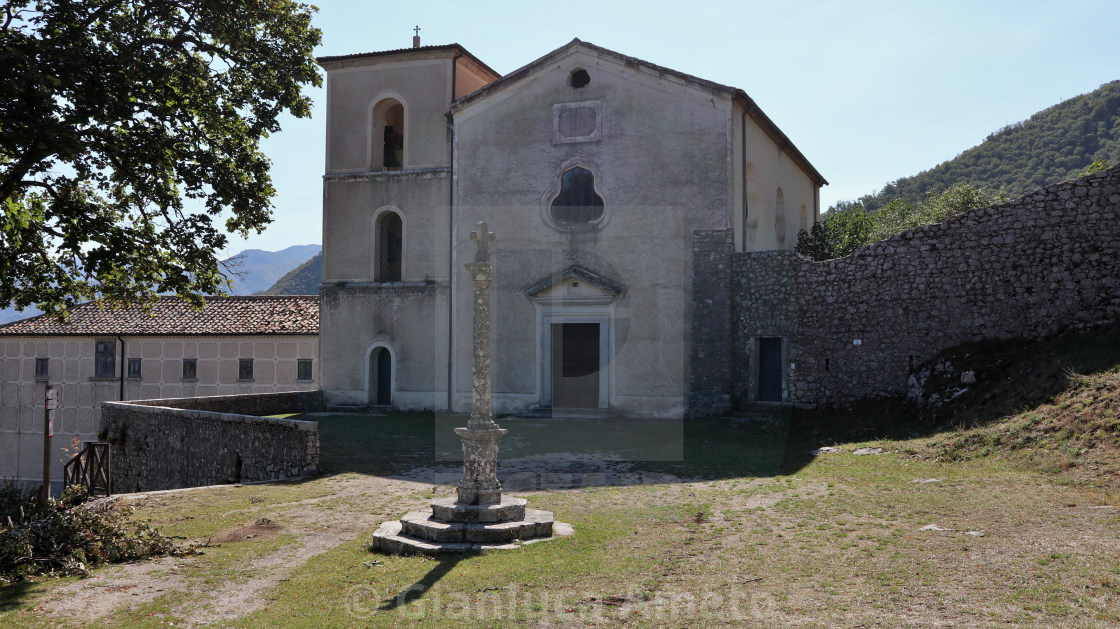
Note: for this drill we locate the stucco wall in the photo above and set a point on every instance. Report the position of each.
(511, 151)
(71, 372)
(1033, 267)
(154, 446)
(357, 314)
(667, 155)
(351, 206)
(409, 319)
(769, 168)
(421, 83)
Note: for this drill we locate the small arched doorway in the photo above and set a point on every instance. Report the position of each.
(380, 377)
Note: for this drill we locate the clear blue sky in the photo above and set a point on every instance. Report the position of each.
(869, 91)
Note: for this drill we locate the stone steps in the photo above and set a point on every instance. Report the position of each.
(451, 527)
(423, 525)
(768, 417)
(548, 412)
(450, 510)
(391, 540)
(762, 412)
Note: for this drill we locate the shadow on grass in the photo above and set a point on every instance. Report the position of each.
(598, 451)
(417, 590)
(1012, 377)
(12, 596)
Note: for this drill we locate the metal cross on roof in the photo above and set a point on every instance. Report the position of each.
(482, 237)
(417, 30)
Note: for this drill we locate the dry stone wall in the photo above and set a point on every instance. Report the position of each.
(710, 356)
(258, 404)
(169, 444)
(855, 326)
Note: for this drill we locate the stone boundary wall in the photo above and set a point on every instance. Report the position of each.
(170, 444)
(710, 358)
(258, 404)
(1039, 265)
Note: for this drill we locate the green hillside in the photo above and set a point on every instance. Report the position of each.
(302, 280)
(1054, 145)
(255, 270)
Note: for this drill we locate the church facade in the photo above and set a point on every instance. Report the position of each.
(598, 173)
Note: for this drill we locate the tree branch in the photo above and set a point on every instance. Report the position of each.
(41, 184)
(11, 180)
(100, 12)
(8, 15)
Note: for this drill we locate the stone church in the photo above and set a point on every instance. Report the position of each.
(597, 172)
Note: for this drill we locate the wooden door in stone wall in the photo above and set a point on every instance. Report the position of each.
(575, 365)
(770, 369)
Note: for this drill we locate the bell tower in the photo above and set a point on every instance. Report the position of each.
(386, 221)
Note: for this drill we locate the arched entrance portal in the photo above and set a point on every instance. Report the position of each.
(380, 377)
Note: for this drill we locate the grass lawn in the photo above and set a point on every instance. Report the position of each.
(717, 523)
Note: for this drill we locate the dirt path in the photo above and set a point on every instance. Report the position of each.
(316, 531)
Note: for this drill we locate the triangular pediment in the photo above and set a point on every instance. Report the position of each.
(578, 52)
(588, 53)
(573, 283)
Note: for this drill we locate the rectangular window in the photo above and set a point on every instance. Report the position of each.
(105, 359)
(245, 369)
(303, 370)
(42, 368)
(190, 368)
(133, 367)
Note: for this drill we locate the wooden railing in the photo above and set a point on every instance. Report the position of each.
(90, 468)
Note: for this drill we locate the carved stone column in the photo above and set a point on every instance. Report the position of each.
(480, 485)
(480, 517)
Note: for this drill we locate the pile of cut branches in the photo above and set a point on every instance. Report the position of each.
(72, 536)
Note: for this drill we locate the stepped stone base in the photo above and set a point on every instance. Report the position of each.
(390, 540)
(452, 527)
(450, 510)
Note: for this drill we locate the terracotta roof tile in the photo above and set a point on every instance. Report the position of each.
(283, 314)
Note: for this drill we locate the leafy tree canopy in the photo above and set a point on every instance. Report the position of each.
(848, 226)
(1098, 165)
(130, 141)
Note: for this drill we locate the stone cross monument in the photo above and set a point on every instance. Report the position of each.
(480, 485)
(480, 517)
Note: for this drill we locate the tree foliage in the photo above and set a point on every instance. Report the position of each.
(130, 141)
(1098, 165)
(813, 244)
(848, 226)
(1056, 144)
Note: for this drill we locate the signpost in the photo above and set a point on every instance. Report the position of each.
(48, 432)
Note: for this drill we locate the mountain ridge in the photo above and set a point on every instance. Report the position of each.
(302, 280)
(259, 270)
